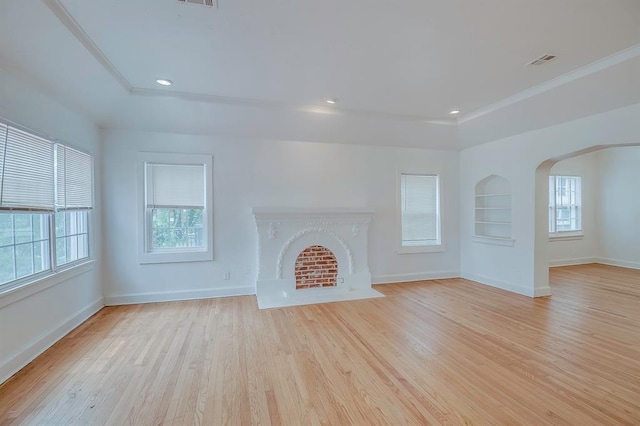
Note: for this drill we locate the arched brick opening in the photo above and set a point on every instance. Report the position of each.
(316, 266)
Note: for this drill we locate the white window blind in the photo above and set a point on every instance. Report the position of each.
(3, 145)
(420, 210)
(27, 180)
(175, 186)
(74, 173)
(565, 204)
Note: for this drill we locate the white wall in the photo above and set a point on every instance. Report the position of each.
(523, 268)
(31, 322)
(584, 249)
(619, 209)
(249, 173)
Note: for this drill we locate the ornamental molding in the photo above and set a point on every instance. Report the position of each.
(308, 231)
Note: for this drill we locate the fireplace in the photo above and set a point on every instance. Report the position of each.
(312, 256)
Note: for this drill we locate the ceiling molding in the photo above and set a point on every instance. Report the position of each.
(76, 30)
(592, 68)
(72, 25)
(261, 103)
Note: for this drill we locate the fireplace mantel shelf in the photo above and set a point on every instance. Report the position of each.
(284, 213)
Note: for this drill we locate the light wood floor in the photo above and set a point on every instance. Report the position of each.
(445, 351)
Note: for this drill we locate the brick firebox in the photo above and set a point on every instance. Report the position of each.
(316, 266)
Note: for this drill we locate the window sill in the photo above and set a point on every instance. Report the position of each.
(175, 257)
(12, 294)
(566, 236)
(421, 249)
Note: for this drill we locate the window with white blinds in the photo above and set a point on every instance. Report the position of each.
(175, 185)
(176, 205)
(46, 194)
(74, 179)
(27, 180)
(420, 210)
(565, 204)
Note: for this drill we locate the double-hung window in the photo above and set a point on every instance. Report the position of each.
(176, 207)
(565, 205)
(46, 195)
(419, 213)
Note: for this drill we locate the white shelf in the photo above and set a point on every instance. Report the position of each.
(493, 195)
(493, 211)
(498, 241)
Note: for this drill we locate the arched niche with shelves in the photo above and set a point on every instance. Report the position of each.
(493, 211)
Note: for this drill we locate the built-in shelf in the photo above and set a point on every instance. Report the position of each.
(493, 211)
(498, 241)
(493, 195)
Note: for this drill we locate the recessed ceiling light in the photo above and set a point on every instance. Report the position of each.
(454, 112)
(164, 82)
(332, 101)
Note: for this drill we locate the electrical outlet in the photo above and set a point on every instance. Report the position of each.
(227, 275)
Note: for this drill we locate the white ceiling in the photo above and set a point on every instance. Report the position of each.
(264, 69)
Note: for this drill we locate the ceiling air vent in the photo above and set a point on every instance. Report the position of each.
(542, 60)
(210, 3)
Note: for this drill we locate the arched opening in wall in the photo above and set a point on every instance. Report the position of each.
(316, 266)
(587, 210)
(493, 211)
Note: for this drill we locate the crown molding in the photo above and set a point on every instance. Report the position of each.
(261, 103)
(76, 30)
(594, 67)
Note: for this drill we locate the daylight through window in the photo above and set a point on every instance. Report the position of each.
(420, 210)
(176, 200)
(565, 204)
(46, 195)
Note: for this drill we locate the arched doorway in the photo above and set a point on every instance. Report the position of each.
(541, 252)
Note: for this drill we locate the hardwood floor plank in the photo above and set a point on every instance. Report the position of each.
(435, 352)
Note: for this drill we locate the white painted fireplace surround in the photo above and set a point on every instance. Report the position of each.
(284, 233)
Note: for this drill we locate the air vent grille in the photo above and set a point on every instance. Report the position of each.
(210, 3)
(542, 59)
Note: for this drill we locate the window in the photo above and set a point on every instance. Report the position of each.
(72, 236)
(565, 203)
(176, 207)
(24, 245)
(419, 212)
(46, 194)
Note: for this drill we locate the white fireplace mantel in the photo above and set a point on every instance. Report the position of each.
(284, 232)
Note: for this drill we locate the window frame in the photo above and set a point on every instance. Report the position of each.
(427, 248)
(182, 254)
(570, 234)
(17, 289)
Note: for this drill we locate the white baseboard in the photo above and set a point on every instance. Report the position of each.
(525, 291)
(43, 342)
(174, 296)
(615, 262)
(542, 291)
(571, 262)
(424, 276)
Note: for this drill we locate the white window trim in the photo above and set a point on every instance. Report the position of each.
(566, 236)
(21, 289)
(15, 290)
(576, 234)
(182, 254)
(431, 248)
